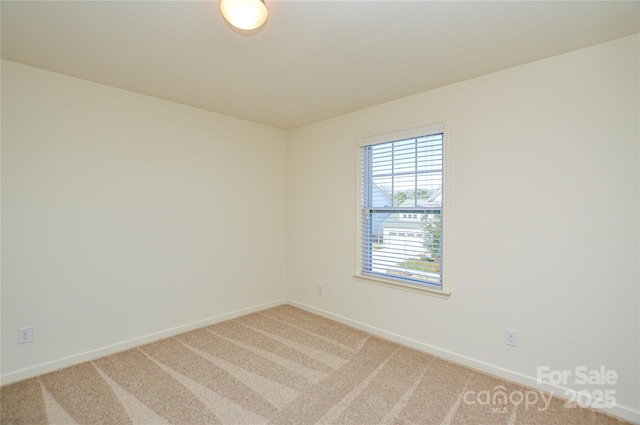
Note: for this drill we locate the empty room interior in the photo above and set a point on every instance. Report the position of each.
(357, 212)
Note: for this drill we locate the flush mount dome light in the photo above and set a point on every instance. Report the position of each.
(244, 14)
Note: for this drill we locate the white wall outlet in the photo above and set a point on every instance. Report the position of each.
(25, 335)
(511, 337)
(320, 289)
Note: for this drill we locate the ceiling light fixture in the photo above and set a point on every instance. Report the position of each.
(244, 14)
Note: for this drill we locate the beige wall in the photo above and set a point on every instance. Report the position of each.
(544, 220)
(125, 216)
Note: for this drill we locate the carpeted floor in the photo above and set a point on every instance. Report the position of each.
(280, 366)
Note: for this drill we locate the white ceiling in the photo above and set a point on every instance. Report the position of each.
(312, 60)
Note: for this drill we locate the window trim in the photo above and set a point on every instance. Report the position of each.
(400, 133)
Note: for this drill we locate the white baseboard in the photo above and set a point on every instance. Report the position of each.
(623, 412)
(30, 372)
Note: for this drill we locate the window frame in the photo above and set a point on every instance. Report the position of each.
(396, 134)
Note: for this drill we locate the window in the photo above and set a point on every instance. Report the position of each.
(402, 176)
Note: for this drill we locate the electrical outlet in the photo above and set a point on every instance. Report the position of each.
(25, 335)
(511, 337)
(320, 290)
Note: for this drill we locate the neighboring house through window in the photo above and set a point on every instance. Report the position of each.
(402, 207)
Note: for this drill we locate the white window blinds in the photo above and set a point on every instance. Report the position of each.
(402, 206)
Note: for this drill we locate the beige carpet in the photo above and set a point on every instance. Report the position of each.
(279, 366)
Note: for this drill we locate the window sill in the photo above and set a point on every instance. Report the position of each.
(392, 283)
